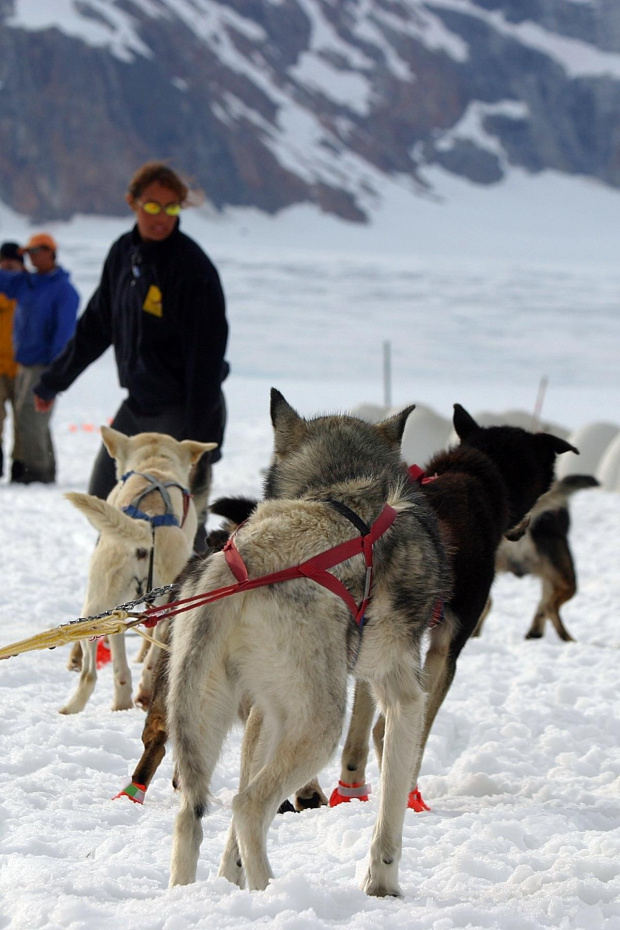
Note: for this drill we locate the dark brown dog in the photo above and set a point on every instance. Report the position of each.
(480, 491)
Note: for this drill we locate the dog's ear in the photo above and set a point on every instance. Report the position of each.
(290, 429)
(516, 532)
(556, 444)
(393, 428)
(196, 449)
(463, 422)
(115, 442)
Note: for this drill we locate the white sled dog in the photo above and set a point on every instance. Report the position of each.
(148, 511)
(289, 646)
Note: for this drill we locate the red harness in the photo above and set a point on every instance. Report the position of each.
(315, 569)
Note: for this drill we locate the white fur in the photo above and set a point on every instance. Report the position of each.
(119, 556)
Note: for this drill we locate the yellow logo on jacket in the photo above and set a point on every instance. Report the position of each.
(152, 302)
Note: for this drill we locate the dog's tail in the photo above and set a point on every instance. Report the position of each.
(108, 519)
(201, 701)
(561, 490)
(234, 509)
(572, 483)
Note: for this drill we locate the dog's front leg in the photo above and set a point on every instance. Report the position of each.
(404, 714)
(122, 675)
(88, 679)
(355, 752)
(439, 669)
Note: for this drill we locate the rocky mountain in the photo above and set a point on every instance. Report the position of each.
(274, 102)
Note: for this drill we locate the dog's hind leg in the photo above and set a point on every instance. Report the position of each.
(186, 842)
(310, 796)
(200, 721)
(561, 597)
(555, 592)
(231, 866)
(293, 740)
(403, 708)
(292, 762)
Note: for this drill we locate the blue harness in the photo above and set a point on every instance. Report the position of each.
(168, 518)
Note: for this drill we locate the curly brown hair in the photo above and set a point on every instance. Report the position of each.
(157, 171)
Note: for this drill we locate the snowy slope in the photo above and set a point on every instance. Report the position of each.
(273, 104)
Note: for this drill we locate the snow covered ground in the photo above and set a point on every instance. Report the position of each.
(522, 769)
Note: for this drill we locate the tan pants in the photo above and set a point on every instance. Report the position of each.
(35, 438)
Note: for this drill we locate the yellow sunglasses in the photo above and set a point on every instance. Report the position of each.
(154, 209)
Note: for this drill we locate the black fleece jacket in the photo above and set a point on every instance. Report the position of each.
(161, 306)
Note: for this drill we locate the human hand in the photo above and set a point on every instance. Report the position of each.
(42, 406)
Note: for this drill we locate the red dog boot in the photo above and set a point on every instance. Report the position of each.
(416, 802)
(344, 793)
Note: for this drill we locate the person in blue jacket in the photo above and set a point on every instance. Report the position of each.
(44, 322)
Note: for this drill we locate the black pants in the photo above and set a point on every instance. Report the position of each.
(170, 421)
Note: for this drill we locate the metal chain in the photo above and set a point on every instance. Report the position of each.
(145, 599)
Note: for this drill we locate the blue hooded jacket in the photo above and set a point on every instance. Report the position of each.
(45, 315)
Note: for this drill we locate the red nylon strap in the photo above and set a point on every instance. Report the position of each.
(234, 560)
(314, 569)
(415, 472)
(418, 474)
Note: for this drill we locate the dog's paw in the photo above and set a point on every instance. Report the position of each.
(122, 705)
(143, 700)
(380, 888)
(309, 802)
(70, 708)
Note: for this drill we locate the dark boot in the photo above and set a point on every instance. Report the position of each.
(25, 475)
(17, 471)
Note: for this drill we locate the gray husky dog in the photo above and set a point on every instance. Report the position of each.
(290, 646)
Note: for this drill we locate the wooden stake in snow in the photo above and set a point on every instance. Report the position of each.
(542, 387)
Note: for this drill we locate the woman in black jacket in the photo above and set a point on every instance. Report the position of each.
(160, 305)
